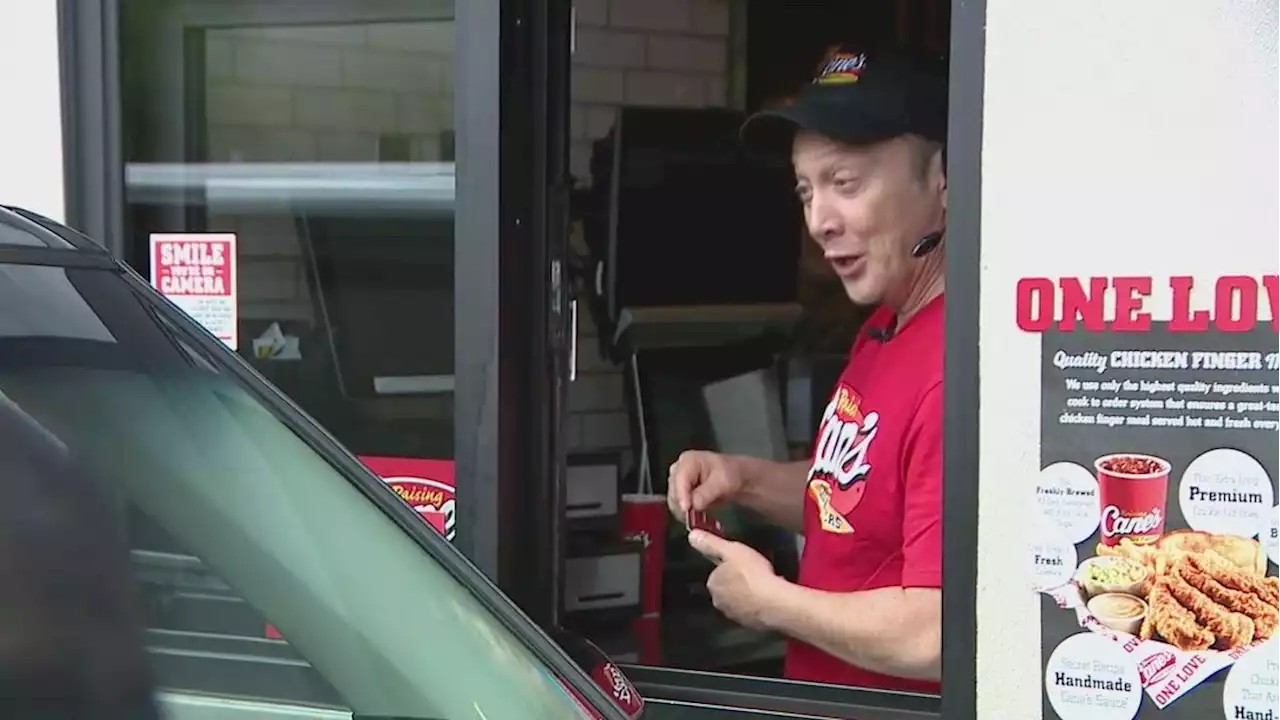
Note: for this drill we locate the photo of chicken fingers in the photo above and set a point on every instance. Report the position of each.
(1231, 630)
(1230, 576)
(1265, 617)
(1173, 622)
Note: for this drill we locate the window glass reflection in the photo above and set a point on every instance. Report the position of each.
(327, 147)
(321, 135)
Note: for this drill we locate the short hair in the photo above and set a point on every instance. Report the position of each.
(923, 151)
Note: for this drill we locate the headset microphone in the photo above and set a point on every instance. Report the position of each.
(927, 244)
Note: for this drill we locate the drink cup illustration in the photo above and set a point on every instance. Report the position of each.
(1133, 490)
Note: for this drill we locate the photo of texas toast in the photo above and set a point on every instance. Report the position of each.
(1245, 554)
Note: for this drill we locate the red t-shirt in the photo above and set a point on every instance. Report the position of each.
(873, 500)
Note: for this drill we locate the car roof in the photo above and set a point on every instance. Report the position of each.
(21, 228)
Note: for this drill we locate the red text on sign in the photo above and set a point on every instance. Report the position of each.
(1084, 304)
(193, 268)
(193, 253)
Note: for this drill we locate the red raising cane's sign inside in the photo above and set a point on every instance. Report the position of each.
(427, 485)
(1084, 303)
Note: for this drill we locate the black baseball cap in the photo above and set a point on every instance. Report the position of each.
(860, 97)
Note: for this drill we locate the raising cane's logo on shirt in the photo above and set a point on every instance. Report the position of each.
(838, 476)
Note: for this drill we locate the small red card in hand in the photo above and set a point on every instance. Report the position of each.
(703, 520)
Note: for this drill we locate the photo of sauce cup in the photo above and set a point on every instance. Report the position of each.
(1119, 611)
(1132, 490)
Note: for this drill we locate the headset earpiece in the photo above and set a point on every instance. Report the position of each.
(927, 244)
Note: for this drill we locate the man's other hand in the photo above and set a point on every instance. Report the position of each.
(742, 581)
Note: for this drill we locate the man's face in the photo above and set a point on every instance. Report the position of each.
(867, 207)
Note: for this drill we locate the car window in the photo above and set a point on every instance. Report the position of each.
(58, 235)
(16, 230)
(267, 574)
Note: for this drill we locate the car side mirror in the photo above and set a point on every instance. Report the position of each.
(603, 672)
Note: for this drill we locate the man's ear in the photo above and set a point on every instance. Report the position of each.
(938, 174)
(938, 168)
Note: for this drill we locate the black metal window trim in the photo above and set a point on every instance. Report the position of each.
(495, 420)
(534, 298)
(93, 162)
(960, 441)
(478, 227)
(510, 330)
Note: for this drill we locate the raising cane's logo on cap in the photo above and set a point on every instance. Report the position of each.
(841, 67)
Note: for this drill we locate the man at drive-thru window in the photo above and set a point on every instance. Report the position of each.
(866, 141)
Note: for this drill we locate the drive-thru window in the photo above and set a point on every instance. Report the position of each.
(397, 212)
(510, 255)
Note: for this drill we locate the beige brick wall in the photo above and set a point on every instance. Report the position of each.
(318, 94)
(326, 94)
(670, 53)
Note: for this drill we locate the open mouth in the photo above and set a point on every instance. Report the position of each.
(846, 265)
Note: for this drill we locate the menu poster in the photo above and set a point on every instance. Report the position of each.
(427, 485)
(197, 272)
(1155, 548)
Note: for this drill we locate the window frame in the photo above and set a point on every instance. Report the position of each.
(960, 440)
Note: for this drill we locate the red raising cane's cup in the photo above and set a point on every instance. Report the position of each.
(644, 520)
(1132, 491)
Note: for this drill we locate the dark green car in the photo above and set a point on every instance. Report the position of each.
(282, 578)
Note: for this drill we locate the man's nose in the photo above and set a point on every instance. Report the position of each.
(823, 221)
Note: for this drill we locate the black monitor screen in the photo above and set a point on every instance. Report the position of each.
(696, 220)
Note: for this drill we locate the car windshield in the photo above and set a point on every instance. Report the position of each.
(217, 467)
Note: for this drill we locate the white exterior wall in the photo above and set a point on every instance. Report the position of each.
(1131, 138)
(31, 130)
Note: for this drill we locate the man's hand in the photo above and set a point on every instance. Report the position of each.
(699, 480)
(890, 630)
(742, 581)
